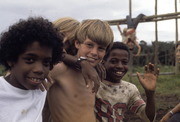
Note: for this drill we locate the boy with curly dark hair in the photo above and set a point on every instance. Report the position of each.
(29, 49)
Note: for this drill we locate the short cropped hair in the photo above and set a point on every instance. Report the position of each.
(19, 36)
(96, 30)
(117, 45)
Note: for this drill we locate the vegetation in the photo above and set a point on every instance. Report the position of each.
(166, 53)
(166, 84)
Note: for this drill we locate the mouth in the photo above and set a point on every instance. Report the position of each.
(118, 74)
(35, 81)
(92, 60)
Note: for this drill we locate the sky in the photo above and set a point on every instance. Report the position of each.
(13, 10)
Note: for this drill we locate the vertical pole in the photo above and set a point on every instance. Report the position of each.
(156, 40)
(130, 66)
(130, 9)
(177, 65)
(131, 54)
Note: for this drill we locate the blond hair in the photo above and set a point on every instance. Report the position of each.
(96, 30)
(67, 25)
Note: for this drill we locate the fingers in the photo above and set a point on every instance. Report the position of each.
(101, 71)
(146, 68)
(96, 86)
(49, 79)
(45, 84)
(151, 67)
(41, 87)
(87, 81)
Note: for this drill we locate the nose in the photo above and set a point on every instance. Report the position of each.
(38, 68)
(119, 65)
(94, 51)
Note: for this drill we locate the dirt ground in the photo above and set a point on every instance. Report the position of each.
(163, 105)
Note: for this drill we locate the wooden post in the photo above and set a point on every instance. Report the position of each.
(156, 38)
(130, 9)
(131, 66)
(131, 54)
(177, 65)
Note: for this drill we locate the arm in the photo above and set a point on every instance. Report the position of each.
(169, 114)
(138, 46)
(89, 73)
(148, 82)
(119, 29)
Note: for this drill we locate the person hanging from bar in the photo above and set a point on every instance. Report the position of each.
(129, 34)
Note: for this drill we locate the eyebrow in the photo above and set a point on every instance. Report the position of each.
(33, 55)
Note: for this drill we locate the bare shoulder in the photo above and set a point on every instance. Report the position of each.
(58, 70)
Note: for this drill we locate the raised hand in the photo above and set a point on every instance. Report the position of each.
(149, 78)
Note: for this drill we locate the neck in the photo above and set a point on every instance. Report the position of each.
(111, 81)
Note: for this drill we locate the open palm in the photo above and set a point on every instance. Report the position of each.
(149, 78)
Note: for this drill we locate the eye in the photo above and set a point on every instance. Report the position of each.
(89, 45)
(102, 49)
(47, 62)
(125, 62)
(29, 60)
(113, 61)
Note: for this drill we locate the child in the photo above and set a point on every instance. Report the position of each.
(68, 27)
(129, 34)
(69, 99)
(29, 49)
(115, 96)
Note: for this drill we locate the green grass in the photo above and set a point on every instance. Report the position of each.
(166, 84)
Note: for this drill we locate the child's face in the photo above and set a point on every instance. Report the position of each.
(178, 53)
(116, 65)
(91, 50)
(32, 67)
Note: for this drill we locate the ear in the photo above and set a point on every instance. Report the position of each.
(77, 44)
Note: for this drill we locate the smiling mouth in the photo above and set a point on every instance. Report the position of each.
(36, 80)
(118, 73)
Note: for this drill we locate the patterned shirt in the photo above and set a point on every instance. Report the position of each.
(113, 100)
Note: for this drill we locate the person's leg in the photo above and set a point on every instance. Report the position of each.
(175, 118)
(130, 23)
(137, 19)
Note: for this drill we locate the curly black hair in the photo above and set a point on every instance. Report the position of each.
(116, 45)
(23, 33)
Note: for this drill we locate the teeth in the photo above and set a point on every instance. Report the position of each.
(119, 73)
(37, 80)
